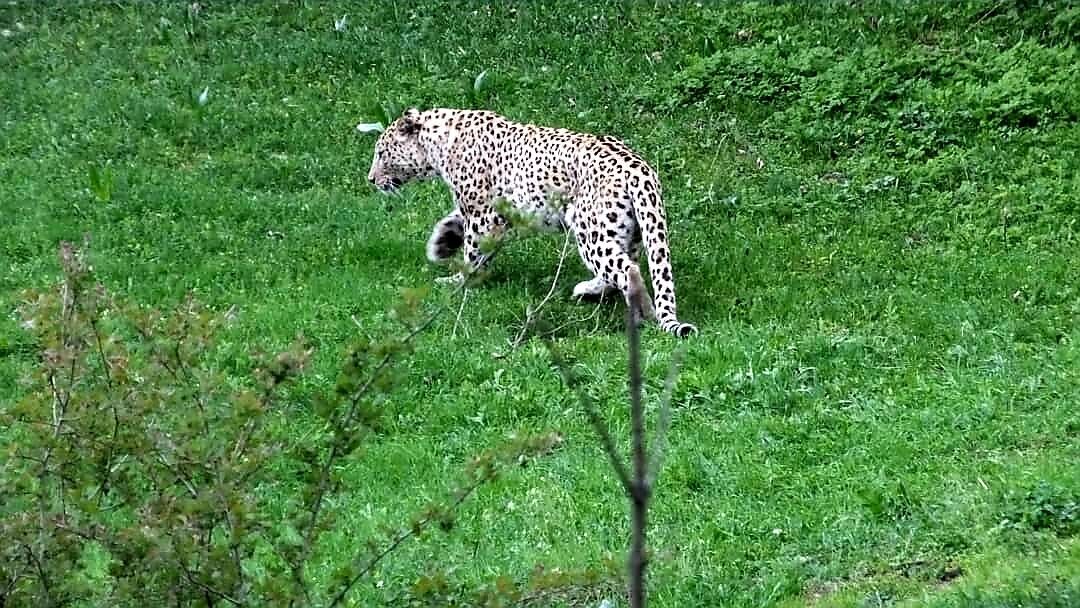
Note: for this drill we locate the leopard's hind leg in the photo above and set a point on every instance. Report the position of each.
(605, 250)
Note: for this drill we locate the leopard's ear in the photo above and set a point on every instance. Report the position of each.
(411, 122)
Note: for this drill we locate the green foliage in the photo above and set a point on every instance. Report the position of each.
(888, 503)
(1047, 506)
(137, 465)
(101, 183)
(921, 105)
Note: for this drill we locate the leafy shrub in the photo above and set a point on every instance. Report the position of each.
(136, 473)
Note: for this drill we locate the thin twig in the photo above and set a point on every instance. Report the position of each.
(351, 414)
(597, 422)
(594, 314)
(413, 530)
(532, 313)
(656, 459)
(101, 353)
(80, 533)
(175, 470)
(190, 380)
(567, 593)
(324, 473)
(346, 422)
(206, 589)
(59, 411)
(71, 380)
(179, 372)
(12, 579)
(992, 10)
(241, 442)
(234, 548)
(639, 487)
(42, 575)
(461, 309)
(398, 540)
(58, 401)
(106, 465)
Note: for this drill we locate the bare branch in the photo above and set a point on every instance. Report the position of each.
(401, 537)
(992, 10)
(80, 533)
(638, 487)
(640, 490)
(234, 548)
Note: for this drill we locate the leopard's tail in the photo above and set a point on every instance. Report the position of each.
(653, 225)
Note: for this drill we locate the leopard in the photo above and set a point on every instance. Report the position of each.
(593, 186)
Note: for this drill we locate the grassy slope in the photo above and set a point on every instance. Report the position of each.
(887, 369)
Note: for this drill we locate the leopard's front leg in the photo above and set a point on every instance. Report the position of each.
(447, 237)
(479, 220)
(484, 223)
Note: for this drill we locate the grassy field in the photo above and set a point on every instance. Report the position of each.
(874, 214)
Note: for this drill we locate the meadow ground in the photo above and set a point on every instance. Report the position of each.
(874, 214)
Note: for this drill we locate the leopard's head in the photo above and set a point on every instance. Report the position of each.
(399, 157)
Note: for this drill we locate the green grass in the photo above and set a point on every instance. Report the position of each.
(874, 217)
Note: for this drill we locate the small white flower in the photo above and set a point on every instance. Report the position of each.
(204, 96)
(341, 23)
